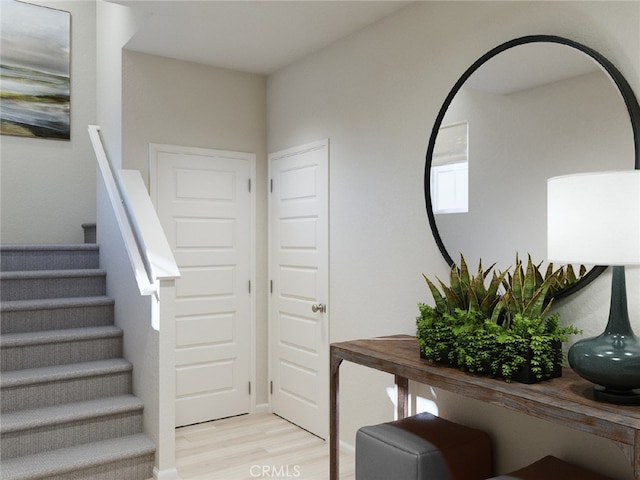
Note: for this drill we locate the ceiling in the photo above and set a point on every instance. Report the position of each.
(250, 36)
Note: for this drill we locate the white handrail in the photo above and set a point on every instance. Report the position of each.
(144, 219)
(147, 247)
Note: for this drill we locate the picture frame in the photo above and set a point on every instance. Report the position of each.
(35, 71)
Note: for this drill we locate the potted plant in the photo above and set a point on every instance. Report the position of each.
(503, 329)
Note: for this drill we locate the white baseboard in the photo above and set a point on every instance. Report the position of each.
(167, 474)
(262, 408)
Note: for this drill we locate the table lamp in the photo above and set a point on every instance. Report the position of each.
(594, 218)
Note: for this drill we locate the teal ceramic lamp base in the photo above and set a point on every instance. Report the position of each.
(612, 359)
(626, 397)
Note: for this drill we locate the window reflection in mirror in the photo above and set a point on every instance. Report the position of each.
(450, 170)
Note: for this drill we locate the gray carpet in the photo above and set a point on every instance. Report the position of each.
(65, 391)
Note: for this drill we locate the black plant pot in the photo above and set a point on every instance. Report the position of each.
(525, 375)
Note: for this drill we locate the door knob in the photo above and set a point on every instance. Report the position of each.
(318, 307)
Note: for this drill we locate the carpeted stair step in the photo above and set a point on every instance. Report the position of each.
(90, 232)
(47, 386)
(40, 284)
(20, 316)
(65, 390)
(48, 257)
(59, 347)
(124, 458)
(28, 432)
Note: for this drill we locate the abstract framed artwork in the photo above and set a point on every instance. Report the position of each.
(35, 67)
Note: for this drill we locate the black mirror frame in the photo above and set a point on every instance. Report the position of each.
(624, 88)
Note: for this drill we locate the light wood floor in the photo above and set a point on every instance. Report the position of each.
(247, 447)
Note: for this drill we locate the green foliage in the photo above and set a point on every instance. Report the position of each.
(565, 277)
(474, 343)
(481, 330)
(525, 293)
(465, 291)
(528, 293)
(532, 340)
(435, 331)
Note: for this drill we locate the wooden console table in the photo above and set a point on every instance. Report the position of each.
(567, 400)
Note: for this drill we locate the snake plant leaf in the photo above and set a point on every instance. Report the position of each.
(546, 309)
(477, 282)
(549, 272)
(570, 275)
(492, 298)
(495, 314)
(474, 303)
(537, 307)
(583, 271)
(488, 306)
(460, 282)
(441, 304)
(526, 292)
(529, 282)
(563, 279)
(455, 284)
(478, 288)
(507, 281)
(557, 284)
(500, 277)
(495, 283)
(538, 274)
(453, 300)
(465, 277)
(501, 310)
(517, 283)
(488, 270)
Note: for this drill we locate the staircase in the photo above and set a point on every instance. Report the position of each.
(65, 391)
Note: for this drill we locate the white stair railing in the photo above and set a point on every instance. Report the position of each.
(149, 252)
(127, 220)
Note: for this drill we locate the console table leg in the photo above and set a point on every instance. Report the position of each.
(635, 457)
(402, 385)
(632, 452)
(334, 435)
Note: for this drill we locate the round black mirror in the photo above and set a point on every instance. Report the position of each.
(531, 108)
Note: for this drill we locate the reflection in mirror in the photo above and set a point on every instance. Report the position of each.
(450, 170)
(533, 111)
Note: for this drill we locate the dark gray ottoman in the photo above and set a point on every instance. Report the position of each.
(422, 447)
(551, 468)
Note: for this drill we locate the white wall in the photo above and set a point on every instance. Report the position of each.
(169, 101)
(48, 186)
(376, 95)
(132, 314)
(115, 25)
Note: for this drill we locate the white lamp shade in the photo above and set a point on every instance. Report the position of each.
(594, 218)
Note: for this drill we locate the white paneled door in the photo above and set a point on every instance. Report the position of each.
(299, 271)
(205, 204)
